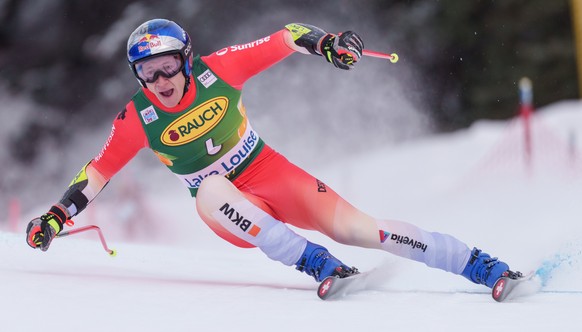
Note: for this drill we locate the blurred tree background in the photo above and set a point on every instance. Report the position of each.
(70, 54)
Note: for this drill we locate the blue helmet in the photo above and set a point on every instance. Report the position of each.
(158, 37)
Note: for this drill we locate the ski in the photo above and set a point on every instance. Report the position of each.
(334, 287)
(507, 288)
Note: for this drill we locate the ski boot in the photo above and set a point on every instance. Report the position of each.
(317, 262)
(482, 269)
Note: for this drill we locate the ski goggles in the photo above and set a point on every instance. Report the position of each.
(151, 69)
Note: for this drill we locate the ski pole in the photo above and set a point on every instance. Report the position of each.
(111, 252)
(393, 57)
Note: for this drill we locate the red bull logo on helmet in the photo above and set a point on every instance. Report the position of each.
(148, 42)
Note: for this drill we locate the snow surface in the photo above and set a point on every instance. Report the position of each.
(175, 275)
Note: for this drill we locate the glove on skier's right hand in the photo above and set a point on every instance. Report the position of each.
(41, 231)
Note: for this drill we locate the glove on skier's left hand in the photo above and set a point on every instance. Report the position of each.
(342, 50)
(41, 231)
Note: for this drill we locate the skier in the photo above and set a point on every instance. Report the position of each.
(188, 111)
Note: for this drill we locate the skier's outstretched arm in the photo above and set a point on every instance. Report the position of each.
(236, 64)
(126, 139)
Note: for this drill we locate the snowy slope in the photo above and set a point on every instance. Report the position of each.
(473, 184)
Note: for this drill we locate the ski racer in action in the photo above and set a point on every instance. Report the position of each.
(188, 111)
